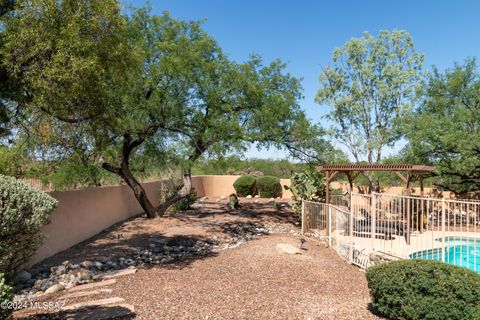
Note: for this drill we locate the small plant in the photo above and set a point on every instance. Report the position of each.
(24, 210)
(245, 185)
(421, 289)
(6, 295)
(185, 203)
(233, 201)
(269, 187)
(277, 206)
(308, 185)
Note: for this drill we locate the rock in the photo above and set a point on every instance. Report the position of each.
(98, 265)
(218, 200)
(62, 269)
(55, 288)
(157, 249)
(256, 201)
(93, 285)
(93, 303)
(257, 196)
(377, 257)
(249, 196)
(84, 275)
(118, 273)
(222, 197)
(86, 264)
(23, 276)
(287, 248)
(271, 200)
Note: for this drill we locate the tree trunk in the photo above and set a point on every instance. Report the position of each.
(124, 172)
(182, 193)
(139, 192)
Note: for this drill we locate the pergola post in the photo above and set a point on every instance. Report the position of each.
(329, 175)
(327, 187)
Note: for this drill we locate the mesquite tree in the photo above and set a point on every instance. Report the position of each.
(445, 128)
(369, 87)
(114, 90)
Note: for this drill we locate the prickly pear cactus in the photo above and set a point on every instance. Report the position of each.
(308, 185)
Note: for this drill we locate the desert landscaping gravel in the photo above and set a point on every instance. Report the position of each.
(248, 278)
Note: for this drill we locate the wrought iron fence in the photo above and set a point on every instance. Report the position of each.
(407, 227)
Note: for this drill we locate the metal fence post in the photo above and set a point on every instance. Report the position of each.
(374, 218)
(351, 228)
(443, 229)
(303, 217)
(329, 226)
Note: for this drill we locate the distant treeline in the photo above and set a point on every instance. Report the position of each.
(236, 166)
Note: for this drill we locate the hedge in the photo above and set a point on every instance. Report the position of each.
(6, 295)
(269, 187)
(421, 289)
(245, 185)
(24, 210)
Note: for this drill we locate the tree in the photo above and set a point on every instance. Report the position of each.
(445, 129)
(370, 86)
(141, 88)
(10, 92)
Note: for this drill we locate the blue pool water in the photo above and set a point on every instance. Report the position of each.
(459, 251)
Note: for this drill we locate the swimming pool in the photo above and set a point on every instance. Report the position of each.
(460, 251)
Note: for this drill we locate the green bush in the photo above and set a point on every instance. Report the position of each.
(6, 295)
(24, 210)
(245, 185)
(269, 187)
(186, 202)
(421, 289)
(183, 204)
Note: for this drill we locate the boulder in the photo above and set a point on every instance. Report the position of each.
(287, 248)
(23, 276)
(55, 288)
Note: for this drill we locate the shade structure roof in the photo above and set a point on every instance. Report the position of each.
(376, 167)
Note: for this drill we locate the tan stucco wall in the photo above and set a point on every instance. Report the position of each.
(82, 214)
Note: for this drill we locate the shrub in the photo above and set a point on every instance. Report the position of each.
(245, 185)
(24, 210)
(269, 187)
(308, 185)
(185, 203)
(421, 289)
(6, 295)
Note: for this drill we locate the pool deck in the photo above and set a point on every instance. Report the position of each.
(398, 245)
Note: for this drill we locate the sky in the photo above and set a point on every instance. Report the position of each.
(304, 33)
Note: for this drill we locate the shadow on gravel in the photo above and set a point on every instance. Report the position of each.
(256, 211)
(139, 250)
(90, 313)
(374, 311)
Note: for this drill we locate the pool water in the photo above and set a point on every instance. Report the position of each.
(459, 251)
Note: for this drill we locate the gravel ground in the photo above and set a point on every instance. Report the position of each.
(253, 281)
(250, 281)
